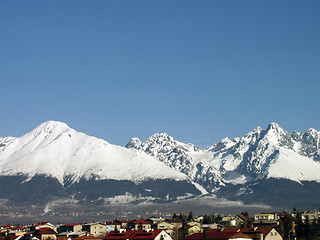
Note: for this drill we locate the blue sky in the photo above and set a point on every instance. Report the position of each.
(198, 70)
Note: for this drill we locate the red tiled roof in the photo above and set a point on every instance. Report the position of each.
(14, 237)
(86, 238)
(234, 230)
(62, 238)
(250, 231)
(6, 226)
(176, 220)
(40, 223)
(243, 217)
(195, 236)
(146, 235)
(113, 223)
(140, 222)
(217, 235)
(115, 235)
(45, 231)
(264, 230)
(246, 230)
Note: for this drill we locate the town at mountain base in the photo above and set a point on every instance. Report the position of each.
(55, 163)
(261, 226)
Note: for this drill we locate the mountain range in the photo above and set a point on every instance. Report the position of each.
(53, 162)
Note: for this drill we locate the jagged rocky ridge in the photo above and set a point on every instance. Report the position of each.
(264, 166)
(259, 162)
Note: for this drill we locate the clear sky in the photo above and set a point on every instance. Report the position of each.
(198, 70)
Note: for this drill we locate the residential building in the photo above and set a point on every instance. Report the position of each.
(119, 235)
(150, 234)
(116, 225)
(155, 221)
(241, 221)
(67, 235)
(193, 229)
(256, 233)
(266, 219)
(140, 224)
(45, 234)
(268, 233)
(74, 227)
(156, 234)
(217, 235)
(43, 225)
(311, 216)
(95, 229)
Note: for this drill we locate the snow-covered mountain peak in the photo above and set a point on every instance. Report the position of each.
(161, 143)
(53, 149)
(273, 125)
(158, 142)
(226, 139)
(224, 143)
(277, 136)
(313, 132)
(160, 138)
(275, 130)
(256, 130)
(134, 143)
(251, 137)
(50, 126)
(310, 144)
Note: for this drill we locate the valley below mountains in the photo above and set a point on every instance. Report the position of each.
(54, 166)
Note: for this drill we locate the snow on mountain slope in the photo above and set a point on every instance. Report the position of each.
(289, 165)
(258, 155)
(53, 149)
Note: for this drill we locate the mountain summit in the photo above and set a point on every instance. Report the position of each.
(236, 168)
(72, 160)
(84, 168)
